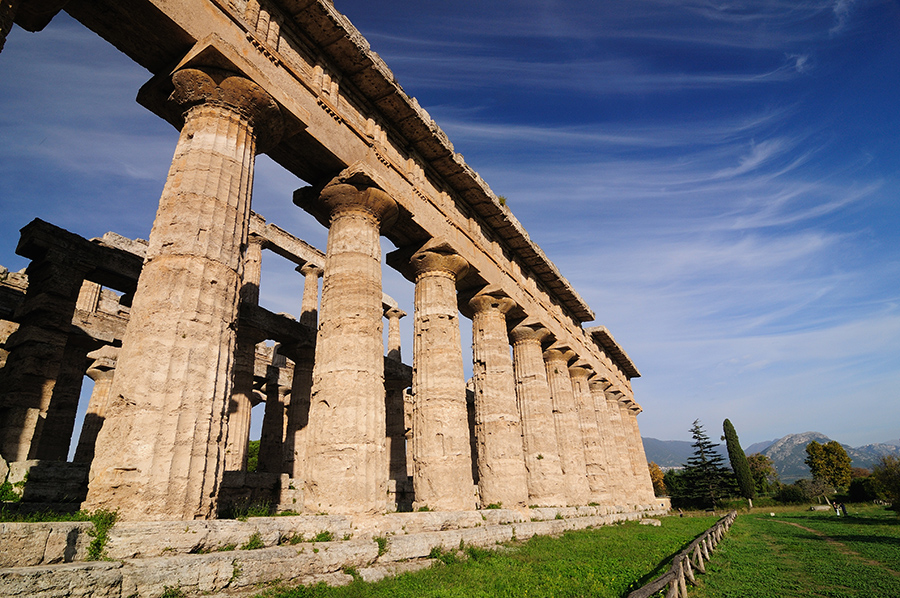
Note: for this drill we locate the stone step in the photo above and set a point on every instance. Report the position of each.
(61, 570)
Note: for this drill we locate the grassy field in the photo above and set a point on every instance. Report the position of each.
(604, 563)
(800, 554)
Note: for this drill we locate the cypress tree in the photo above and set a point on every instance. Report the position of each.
(739, 464)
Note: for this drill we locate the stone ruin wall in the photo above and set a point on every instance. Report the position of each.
(296, 80)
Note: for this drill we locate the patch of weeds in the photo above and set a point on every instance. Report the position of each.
(316, 550)
(473, 553)
(226, 548)
(593, 504)
(172, 592)
(325, 536)
(236, 571)
(254, 542)
(558, 515)
(103, 520)
(347, 537)
(540, 456)
(423, 509)
(8, 492)
(495, 505)
(382, 544)
(292, 540)
(448, 557)
(352, 572)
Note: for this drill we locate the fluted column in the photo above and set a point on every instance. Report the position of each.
(160, 452)
(641, 471)
(442, 462)
(271, 440)
(594, 456)
(37, 352)
(568, 429)
(346, 470)
(623, 461)
(240, 404)
(296, 438)
(502, 478)
(635, 467)
(544, 474)
(395, 424)
(598, 386)
(101, 372)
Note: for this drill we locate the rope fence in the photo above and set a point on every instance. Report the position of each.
(685, 562)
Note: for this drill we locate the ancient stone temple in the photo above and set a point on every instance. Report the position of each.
(172, 333)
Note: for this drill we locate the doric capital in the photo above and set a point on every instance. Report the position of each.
(529, 333)
(394, 313)
(599, 384)
(579, 373)
(559, 353)
(310, 270)
(346, 197)
(491, 303)
(209, 85)
(439, 258)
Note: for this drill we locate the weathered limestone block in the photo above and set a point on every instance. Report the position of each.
(160, 452)
(346, 467)
(545, 479)
(73, 580)
(568, 430)
(442, 464)
(31, 544)
(594, 455)
(101, 372)
(502, 477)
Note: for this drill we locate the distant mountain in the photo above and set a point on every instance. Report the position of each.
(672, 453)
(787, 454)
(759, 447)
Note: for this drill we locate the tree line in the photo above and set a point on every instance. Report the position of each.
(705, 481)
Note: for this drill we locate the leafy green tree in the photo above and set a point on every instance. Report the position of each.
(739, 464)
(829, 463)
(705, 478)
(765, 478)
(887, 474)
(252, 455)
(658, 479)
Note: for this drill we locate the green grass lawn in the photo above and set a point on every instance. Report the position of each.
(606, 562)
(800, 554)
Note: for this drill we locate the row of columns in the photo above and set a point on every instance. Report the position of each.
(174, 420)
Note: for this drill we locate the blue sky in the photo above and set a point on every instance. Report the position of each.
(717, 179)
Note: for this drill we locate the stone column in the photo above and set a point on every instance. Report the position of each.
(502, 477)
(101, 372)
(295, 441)
(641, 470)
(241, 403)
(442, 463)
(544, 473)
(346, 470)
(568, 429)
(637, 468)
(271, 440)
(598, 388)
(59, 421)
(623, 462)
(37, 351)
(395, 423)
(160, 452)
(594, 456)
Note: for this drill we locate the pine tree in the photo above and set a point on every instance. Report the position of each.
(739, 464)
(705, 477)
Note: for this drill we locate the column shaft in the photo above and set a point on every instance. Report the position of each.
(442, 460)
(544, 473)
(594, 456)
(568, 429)
(623, 465)
(641, 471)
(502, 477)
(346, 470)
(101, 372)
(607, 442)
(160, 453)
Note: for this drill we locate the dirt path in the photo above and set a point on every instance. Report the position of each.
(841, 547)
